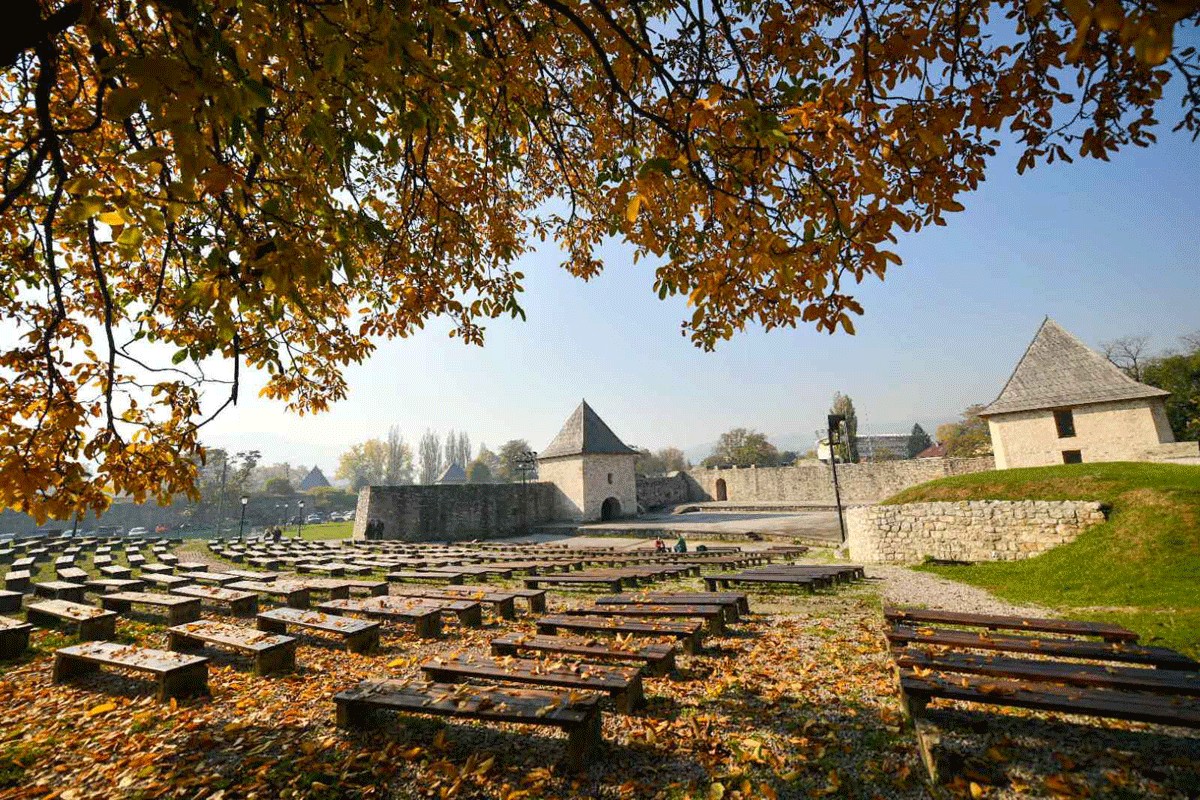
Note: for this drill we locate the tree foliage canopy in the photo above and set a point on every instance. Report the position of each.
(968, 437)
(743, 447)
(191, 188)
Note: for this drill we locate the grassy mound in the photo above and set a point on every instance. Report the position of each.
(1141, 568)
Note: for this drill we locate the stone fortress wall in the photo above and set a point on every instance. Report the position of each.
(812, 481)
(975, 530)
(464, 511)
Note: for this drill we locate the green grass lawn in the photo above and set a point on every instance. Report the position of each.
(1141, 568)
(326, 530)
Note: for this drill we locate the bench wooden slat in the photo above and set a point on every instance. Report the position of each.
(271, 652)
(1069, 627)
(425, 616)
(177, 675)
(359, 635)
(623, 684)
(1109, 703)
(579, 716)
(88, 622)
(179, 609)
(240, 604)
(1062, 648)
(659, 658)
(1171, 681)
(735, 600)
(14, 638)
(688, 633)
(713, 615)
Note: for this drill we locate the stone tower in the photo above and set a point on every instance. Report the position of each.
(592, 468)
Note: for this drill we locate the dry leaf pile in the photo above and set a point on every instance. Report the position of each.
(797, 701)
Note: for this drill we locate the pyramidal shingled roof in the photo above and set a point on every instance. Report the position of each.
(584, 432)
(453, 474)
(315, 479)
(1058, 370)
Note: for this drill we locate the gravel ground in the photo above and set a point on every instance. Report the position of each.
(906, 587)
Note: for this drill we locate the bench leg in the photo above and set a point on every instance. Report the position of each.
(471, 617)
(340, 593)
(429, 626)
(271, 626)
(116, 605)
(181, 614)
(581, 740)
(297, 599)
(548, 630)
(362, 642)
(245, 608)
(181, 643)
(710, 584)
(13, 642)
(716, 625)
(692, 644)
(66, 667)
(352, 715)
(537, 604)
(632, 698)
(506, 609)
(183, 682)
(502, 649)
(277, 659)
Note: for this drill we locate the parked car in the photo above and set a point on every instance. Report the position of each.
(139, 531)
(313, 519)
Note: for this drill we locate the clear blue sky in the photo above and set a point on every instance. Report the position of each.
(1107, 249)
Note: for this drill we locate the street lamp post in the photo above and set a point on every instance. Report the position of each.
(836, 421)
(300, 524)
(526, 463)
(242, 521)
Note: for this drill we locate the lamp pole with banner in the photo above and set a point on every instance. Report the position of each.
(242, 521)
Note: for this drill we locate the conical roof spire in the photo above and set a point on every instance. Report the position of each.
(584, 432)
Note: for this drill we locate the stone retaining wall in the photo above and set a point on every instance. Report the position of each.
(976, 530)
(444, 513)
(661, 492)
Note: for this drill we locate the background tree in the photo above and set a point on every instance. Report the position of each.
(363, 464)
(278, 486)
(918, 440)
(847, 451)
(458, 449)
(661, 462)
(511, 456)
(1179, 374)
(1129, 353)
(968, 437)
(201, 183)
(479, 472)
(429, 457)
(742, 447)
(397, 460)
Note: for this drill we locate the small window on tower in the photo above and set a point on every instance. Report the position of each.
(610, 477)
(1072, 457)
(1065, 422)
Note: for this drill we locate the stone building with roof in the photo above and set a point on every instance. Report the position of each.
(452, 475)
(592, 469)
(1065, 403)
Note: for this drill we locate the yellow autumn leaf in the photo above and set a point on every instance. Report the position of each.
(103, 708)
(716, 791)
(635, 205)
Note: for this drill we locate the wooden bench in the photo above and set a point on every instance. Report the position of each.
(161, 569)
(14, 638)
(87, 622)
(293, 595)
(240, 604)
(109, 585)
(503, 602)
(454, 578)
(18, 580)
(165, 581)
(734, 603)
(426, 618)
(713, 615)
(72, 574)
(185, 566)
(622, 684)
(116, 572)
(1164, 690)
(10, 601)
(1066, 627)
(359, 636)
(578, 716)
(178, 609)
(60, 590)
(658, 657)
(689, 634)
(535, 598)
(271, 652)
(722, 580)
(214, 578)
(614, 583)
(1159, 657)
(177, 675)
